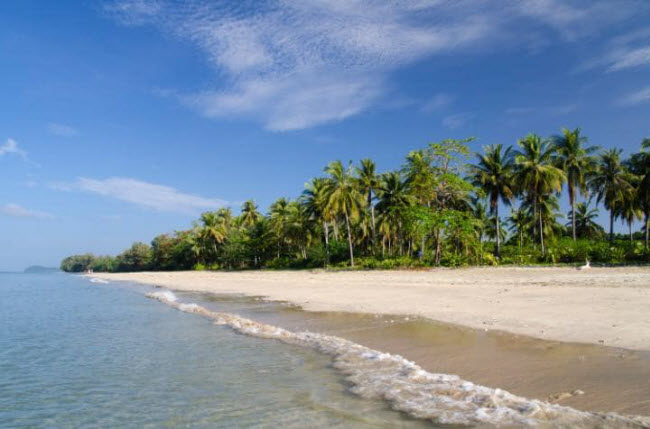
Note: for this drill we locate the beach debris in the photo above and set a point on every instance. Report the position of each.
(556, 397)
(585, 266)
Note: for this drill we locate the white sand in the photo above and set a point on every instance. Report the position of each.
(609, 306)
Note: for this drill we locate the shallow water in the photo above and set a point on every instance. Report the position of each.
(80, 354)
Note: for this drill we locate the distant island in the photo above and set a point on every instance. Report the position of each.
(39, 269)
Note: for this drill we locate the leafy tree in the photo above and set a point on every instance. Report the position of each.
(135, 258)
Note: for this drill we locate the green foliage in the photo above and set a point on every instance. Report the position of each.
(437, 210)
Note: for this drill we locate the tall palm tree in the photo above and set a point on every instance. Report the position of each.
(368, 182)
(577, 162)
(629, 209)
(639, 164)
(493, 174)
(249, 213)
(519, 222)
(212, 232)
(344, 197)
(585, 220)
(394, 195)
(536, 174)
(314, 197)
(611, 184)
(278, 215)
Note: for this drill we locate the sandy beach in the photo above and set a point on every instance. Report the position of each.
(607, 306)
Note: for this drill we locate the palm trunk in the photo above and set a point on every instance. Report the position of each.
(372, 215)
(534, 219)
(336, 230)
(611, 227)
(629, 224)
(647, 229)
(326, 231)
(541, 233)
(573, 213)
(347, 224)
(496, 225)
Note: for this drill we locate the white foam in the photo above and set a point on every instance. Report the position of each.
(96, 280)
(166, 296)
(441, 398)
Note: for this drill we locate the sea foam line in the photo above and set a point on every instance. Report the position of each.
(441, 398)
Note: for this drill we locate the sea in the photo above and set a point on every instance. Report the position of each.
(78, 354)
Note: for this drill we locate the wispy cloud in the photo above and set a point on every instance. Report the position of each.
(636, 97)
(456, 121)
(437, 102)
(293, 65)
(61, 130)
(629, 51)
(150, 195)
(547, 110)
(11, 147)
(16, 210)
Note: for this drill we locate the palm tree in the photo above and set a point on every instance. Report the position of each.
(343, 196)
(212, 232)
(639, 164)
(314, 197)
(493, 174)
(394, 195)
(629, 209)
(585, 220)
(278, 214)
(577, 162)
(536, 175)
(368, 182)
(519, 221)
(611, 184)
(249, 213)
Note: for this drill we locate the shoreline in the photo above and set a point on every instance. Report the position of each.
(603, 306)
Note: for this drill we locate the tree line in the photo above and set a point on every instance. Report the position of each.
(438, 209)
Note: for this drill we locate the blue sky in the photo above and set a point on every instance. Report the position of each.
(124, 119)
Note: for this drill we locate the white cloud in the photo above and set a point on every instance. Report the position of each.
(456, 121)
(149, 195)
(293, 65)
(636, 97)
(11, 147)
(437, 102)
(16, 210)
(628, 51)
(62, 130)
(548, 110)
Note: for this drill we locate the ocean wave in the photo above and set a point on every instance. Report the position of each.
(96, 280)
(440, 398)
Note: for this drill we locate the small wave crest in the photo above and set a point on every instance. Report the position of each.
(441, 398)
(96, 280)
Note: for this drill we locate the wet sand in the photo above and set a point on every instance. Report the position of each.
(611, 379)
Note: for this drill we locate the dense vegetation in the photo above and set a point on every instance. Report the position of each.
(437, 210)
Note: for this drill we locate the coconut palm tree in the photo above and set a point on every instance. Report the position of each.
(577, 162)
(611, 184)
(585, 220)
(278, 215)
(343, 196)
(249, 213)
(314, 198)
(493, 174)
(639, 165)
(537, 175)
(211, 233)
(394, 195)
(519, 222)
(368, 182)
